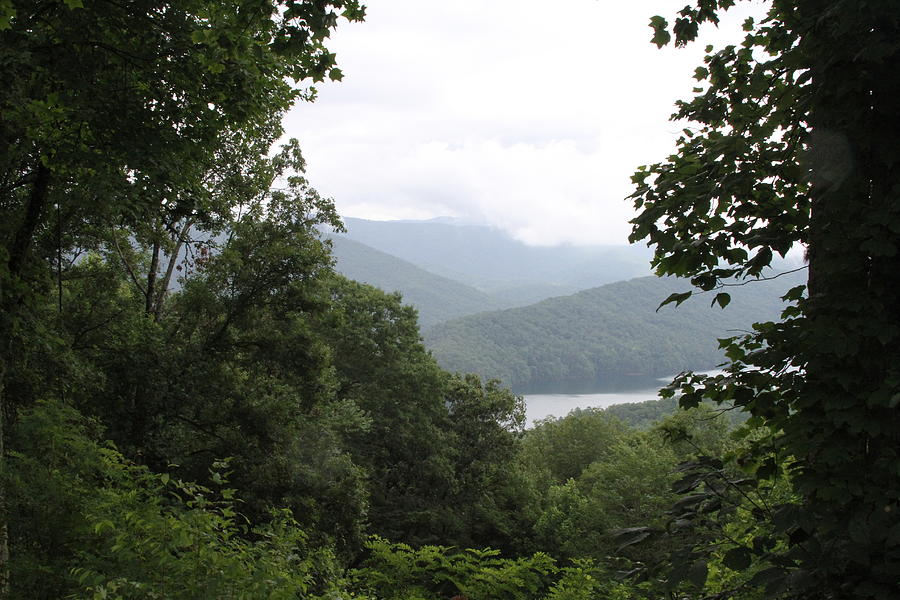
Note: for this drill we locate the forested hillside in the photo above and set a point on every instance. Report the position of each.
(603, 333)
(436, 298)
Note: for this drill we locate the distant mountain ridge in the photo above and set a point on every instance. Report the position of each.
(436, 298)
(490, 260)
(602, 333)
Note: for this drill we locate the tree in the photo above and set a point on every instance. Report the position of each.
(485, 421)
(598, 477)
(406, 448)
(120, 122)
(399, 572)
(795, 143)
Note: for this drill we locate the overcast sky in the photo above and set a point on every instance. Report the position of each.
(526, 115)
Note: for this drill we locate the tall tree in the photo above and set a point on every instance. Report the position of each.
(117, 119)
(793, 142)
(382, 368)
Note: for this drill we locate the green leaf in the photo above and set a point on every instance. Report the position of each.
(354, 12)
(737, 559)
(632, 535)
(661, 36)
(785, 516)
(722, 299)
(677, 298)
(698, 573)
(794, 294)
(687, 504)
(687, 483)
(768, 577)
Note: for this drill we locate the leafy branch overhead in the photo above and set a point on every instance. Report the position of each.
(788, 145)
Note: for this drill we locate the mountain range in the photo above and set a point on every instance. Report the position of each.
(492, 261)
(437, 298)
(544, 318)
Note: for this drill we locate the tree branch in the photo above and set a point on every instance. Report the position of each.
(25, 234)
(128, 267)
(167, 278)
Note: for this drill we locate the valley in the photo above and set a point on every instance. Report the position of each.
(551, 320)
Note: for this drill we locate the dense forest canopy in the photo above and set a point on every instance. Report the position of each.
(271, 429)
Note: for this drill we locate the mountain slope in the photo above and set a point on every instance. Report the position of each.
(436, 298)
(602, 333)
(492, 261)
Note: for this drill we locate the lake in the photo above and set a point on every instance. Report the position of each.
(624, 390)
(539, 406)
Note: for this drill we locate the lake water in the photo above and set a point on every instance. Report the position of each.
(540, 406)
(622, 391)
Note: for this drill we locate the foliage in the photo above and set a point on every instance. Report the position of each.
(195, 549)
(396, 571)
(90, 524)
(485, 422)
(597, 477)
(399, 572)
(406, 448)
(794, 143)
(163, 281)
(233, 365)
(642, 415)
(132, 136)
(565, 447)
(721, 535)
(134, 123)
(126, 116)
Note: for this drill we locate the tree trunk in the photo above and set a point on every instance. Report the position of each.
(25, 234)
(151, 277)
(11, 299)
(173, 259)
(4, 519)
(845, 428)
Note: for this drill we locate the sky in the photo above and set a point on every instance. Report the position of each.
(529, 116)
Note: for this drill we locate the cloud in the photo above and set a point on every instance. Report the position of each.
(529, 116)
